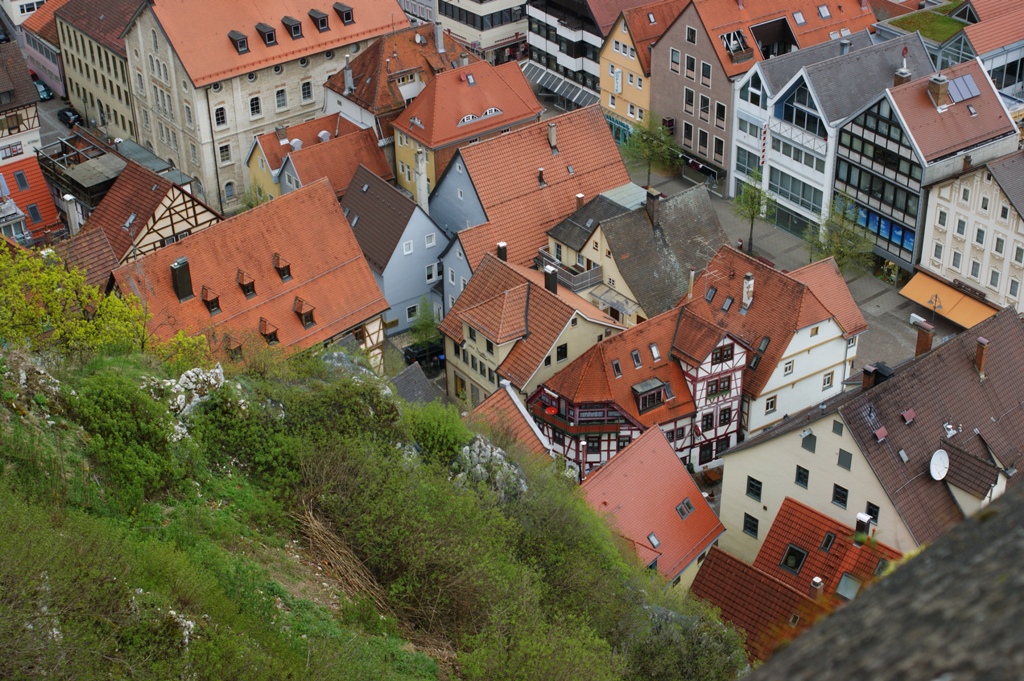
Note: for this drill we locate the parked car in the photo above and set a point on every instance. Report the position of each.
(69, 117)
(45, 92)
(425, 352)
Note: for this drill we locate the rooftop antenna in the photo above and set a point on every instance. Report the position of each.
(705, 254)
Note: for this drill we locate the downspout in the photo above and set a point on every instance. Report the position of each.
(213, 140)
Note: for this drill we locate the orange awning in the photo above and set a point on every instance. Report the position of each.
(956, 306)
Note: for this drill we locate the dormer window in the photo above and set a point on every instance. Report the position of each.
(240, 41)
(283, 267)
(468, 118)
(233, 347)
(211, 300)
(305, 312)
(294, 27)
(650, 394)
(319, 20)
(247, 284)
(493, 111)
(268, 34)
(345, 12)
(268, 331)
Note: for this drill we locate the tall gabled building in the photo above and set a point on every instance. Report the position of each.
(42, 46)
(19, 115)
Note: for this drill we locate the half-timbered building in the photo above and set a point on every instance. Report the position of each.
(19, 117)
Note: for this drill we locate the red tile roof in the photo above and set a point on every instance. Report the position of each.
(136, 191)
(510, 302)
(503, 411)
(444, 104)
(639, 490)
(939, 134)
(37, 194)
(768, 610)
(102, 20)
(644, 32)
(198, 30)
(605, 12)
(338, 159)
(805, 528)
(275, 149)
(1001, 31)
(519, 210)
(829, 287)
(308, 229)
(42, 22)
(90, 253)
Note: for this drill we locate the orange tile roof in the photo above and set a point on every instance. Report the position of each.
(724, 16)
(36, 194)
(805, 528)
(274, 149)
(757, 603)
(829, 287)
(605, 12)
(42, 22)
(519, 210)
(941, 134)
(443, 105)
(782, 305)
(503, 411)
(510, 303)
(1002, 31)
(308, 229)
(376, 69)
(590, 378)
(136, 191)
(198, 30)
(638, 491)
(338, 159)
(644, 32)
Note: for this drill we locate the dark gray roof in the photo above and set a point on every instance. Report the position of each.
(655, 260)
(412, 385)
(778, 70)
(952, 613)
(844, 84)
(378, 214)
(575, 230)
(1009, 173)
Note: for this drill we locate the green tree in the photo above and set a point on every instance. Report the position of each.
(753, 202)
(650, 144)
(840, 237)
(254, 196)
(423, 328)
(438, 429)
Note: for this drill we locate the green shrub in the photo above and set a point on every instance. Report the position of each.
(438, 430)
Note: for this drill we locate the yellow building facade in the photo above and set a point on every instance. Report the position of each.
(625, 90)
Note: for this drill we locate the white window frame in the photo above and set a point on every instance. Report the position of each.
(407, 248)
(430, 240)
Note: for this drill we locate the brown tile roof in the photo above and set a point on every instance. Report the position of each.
(638, 491)
(14, 77)
(590, 377)
(943, 387)
(939, 134)
(760, 605)
(375, 70)
(378, 214)
(337, 159)
(308, 229)
(136, 191)
(37, 193)
(506, 301)
(90, 253)
(805, 528)
(275, 150)
(782, 306)
(644, 32)
(1008, 171)
(102, 20)
(208, 55)
(605, 12)
(969, 473)
(828, 286)
(503, 411)
(42, 22)
(519, 210)
(724, 17)
(443, 105)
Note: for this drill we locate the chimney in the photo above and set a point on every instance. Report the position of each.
(439, 36)
(817, 588)
(967, 162)
(464, 59)
(902, 76)
(981, 356)
(652, 205)
(938, 89)
(282, 133)
(181, 279)
(551, 278)
(552, 137)
(739, 4)
(844, 47)
(864, 5)
(422, 193)
(748, 289)
(869, 376)
(502, 251)
(540, 177)
(579, 201)
(689, 291)
(925, 335)
(349, 82)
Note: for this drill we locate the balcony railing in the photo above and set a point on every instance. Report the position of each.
(798, 135)
(576, 279)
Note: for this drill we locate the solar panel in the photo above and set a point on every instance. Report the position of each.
(963, 87)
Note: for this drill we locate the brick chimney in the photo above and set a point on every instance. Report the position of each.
(652, 206)
(925, 335)
(579, 201)
(817, 588)
(869, 376)
(981, 356)
(968, 161)
(902, 76)
(502, 251)
(553, 136)
(938, 90)
(748, 289)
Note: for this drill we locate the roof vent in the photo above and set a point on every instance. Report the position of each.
(345, 12)
(950, 430)
(881, 433)
(903, 455)
(128, 223)
(908, 416)
(296, 144)
(239, 40)
(268, 34)
(540, 177)
(319, 20)
(323, 135)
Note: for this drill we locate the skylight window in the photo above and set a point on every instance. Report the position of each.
(617, 368)
(684, 508)
(727, 304)
(650, 18)
(710, 295)
(823, 12)
(799, 18)
(470, 79)
(655, 353)
(653, 538)
(636, 359)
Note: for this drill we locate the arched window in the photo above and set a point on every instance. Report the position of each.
(468, 118)
(229, 190)
(156, 43)
(220, 116)
(493, 111)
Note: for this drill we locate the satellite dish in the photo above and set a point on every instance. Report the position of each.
(939, 465)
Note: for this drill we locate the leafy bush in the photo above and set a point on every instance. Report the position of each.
(438, 429)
